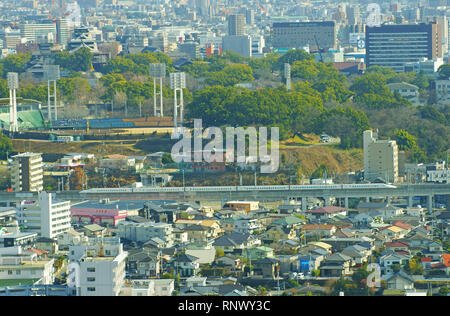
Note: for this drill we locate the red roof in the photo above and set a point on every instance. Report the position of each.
(39, 252)
(427, 259)
(396, 244)
(446, 259)
(402, 252)
(327, 210)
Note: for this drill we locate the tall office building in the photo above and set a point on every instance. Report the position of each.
(380, 158)
(62, 31)
(250, 17)
(33, 32)
(395, 45)
(236, 24)
(353, 15)
(27, 172)
(241, 45)
(302, 34)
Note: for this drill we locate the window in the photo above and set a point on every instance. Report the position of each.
(90, 279)
(91, 289)
(90, 269)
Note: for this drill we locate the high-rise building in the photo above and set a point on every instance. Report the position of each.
(236, 24)
(394, 45)
(250, 17)
(62, 31)
(46, 216)
(27, 172)
(33, 32)
(380, 158)
(302, 34)
(241, 45)
(353, 15)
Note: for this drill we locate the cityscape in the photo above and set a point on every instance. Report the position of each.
(235, 149)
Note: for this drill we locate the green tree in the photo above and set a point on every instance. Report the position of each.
(5, 146)
(292, 56)
(4, 91)
(15, 63)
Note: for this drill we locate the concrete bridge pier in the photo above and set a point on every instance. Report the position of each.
(304, 204)
(430, 203)
(346, 202)
(410, 201)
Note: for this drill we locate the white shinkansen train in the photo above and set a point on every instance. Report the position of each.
(243, 188)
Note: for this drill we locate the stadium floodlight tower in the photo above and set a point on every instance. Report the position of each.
(158, 72)
(287, 75)
(13, 85)
(178, 83)
(51, 75)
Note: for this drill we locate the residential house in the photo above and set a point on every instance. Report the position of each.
(326, 212)
(359, 254)
(400, 281)
(186, 265)
(386, 262)
(318, 230)
(246, 225)
(93, 230)
(340, 244)
(397, 246)
(393, 232)
(236, 242)
(198, 233)
(260, 252)
(336, 265)
(276, 233)
(266, 267)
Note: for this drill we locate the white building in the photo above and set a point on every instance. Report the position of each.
(142, 232)
(424, 65)
(46, 216)
(17, 264)
(380, 158)
(101, 268)
(440, 176)
(26, 172)
(407, 91)
(246, 225)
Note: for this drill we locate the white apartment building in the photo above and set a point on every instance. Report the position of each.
(100, 268)
(246, 225)
(26, 172)
(45, 216)
(407, 91)
(142, 232)
(17, 264)
(380, 158)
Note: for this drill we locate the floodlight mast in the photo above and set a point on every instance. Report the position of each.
(158, 72)
(52, 75)
(13, 85)
(178, 83)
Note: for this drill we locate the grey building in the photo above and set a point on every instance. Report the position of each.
(302, 34)
(395, 45)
